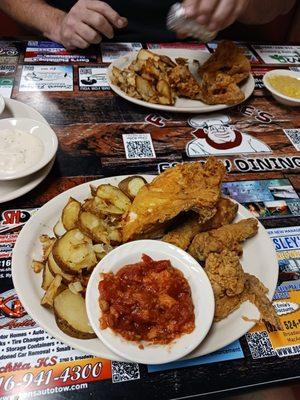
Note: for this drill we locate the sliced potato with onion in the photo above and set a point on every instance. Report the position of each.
(99, 207)
(47, 244)
(93, 226)
(131, 185)
(165, 92)
(114, 196)
(47, 277)
(56, 270)
(59, 230)
(74, 252)
(70, 315)
(144, 55)
(70, 214)
(145, 89)
(51, 292)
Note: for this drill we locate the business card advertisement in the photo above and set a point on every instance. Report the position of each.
(46, 78)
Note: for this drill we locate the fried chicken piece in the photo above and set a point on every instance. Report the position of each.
(255, 291)
(219, 88)
(226, 212)
(185, 187)
(232, 286)
(228, 59)
(227, 237)
(182, 235)
(184, 84)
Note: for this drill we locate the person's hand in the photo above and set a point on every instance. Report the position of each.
(215, 14)
(86, 22)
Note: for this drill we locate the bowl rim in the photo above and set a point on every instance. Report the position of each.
(285, 72)
(200, 331)
(49, 153)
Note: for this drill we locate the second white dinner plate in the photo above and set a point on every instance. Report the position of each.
(259, 259)
(182, 105)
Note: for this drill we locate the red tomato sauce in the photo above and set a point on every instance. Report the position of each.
(149, 301)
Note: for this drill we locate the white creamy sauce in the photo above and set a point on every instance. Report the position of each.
(18, 150)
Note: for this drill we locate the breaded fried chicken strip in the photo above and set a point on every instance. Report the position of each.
(185, 187)
(232, 286)
(227, 237)
(228, 59)
(182, 235)
(183, 83)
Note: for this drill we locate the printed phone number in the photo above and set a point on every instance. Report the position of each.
(46, 378)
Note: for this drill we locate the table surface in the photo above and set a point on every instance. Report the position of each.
(90, 125)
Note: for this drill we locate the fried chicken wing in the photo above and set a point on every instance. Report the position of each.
(219, 88)
(228, 59)
(185, 187)
(232, 286)
(182, 235)
(227, 237)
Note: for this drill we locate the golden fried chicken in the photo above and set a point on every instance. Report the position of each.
(228, 59)
(232, 286)
(182, 235)
(226, 212)
(219, 88)
(185, 187)
(227, 237)
(184, 84)
(256, 293)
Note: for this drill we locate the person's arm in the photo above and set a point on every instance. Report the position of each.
(85, 24)
(260, 12)
(218, 14)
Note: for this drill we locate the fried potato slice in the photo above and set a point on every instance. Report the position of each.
(144, 55)
(165, 91)
(48, 298)
(70, 315)
(56, 270)
(99, 207)
(145, 89)
(131, 185)
(113, 195)
(47, 277)
(70, 214)
(59, 229)
(74, 252)
(37, 266)
(47, 244)
(93, 226)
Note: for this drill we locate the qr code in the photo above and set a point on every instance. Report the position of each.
(85, 71)
(294, 136)
(138, 146)
(260, 345)
(123, 371)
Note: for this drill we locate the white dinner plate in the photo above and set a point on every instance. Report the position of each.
(182, 105)
(2, 104)
(259, 259)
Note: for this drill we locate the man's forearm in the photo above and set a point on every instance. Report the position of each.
(35, 14)
(264, 11)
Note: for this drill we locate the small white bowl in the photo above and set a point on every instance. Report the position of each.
(281, 98)
(40, 130)
(202, 295)
(2, 104)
